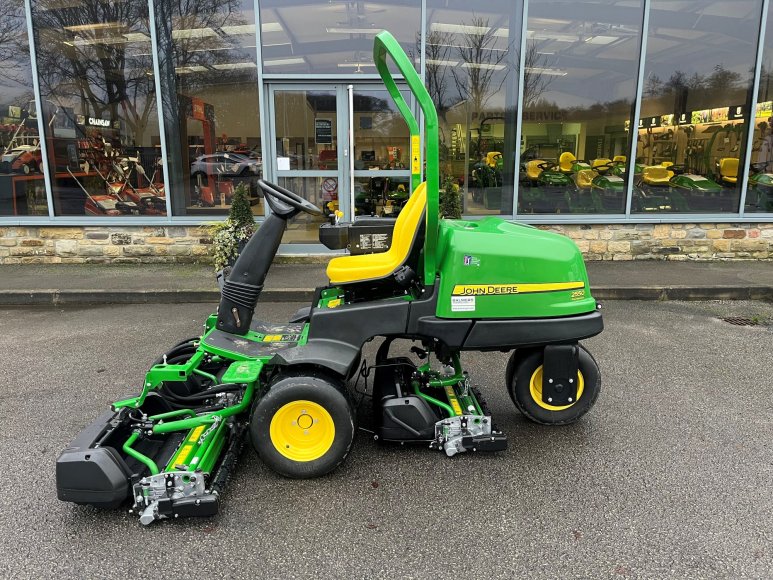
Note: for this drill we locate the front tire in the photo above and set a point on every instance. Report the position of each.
(524, 383)
(303, 427)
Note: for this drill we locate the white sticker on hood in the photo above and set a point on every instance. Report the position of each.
(462, 303)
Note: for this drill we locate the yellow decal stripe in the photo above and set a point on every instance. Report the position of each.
(183, 454)
(196, 433)
(453, 400)
(492, 289)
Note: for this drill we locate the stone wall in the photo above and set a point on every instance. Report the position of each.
(100, 244)
(126, 245)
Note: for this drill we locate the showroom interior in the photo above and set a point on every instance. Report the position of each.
(595, 112)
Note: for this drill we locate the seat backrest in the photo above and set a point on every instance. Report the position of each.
(584, 177)
(407, 226)
(728, 167)
(655, 172)
(491, 158)
(565, 161)
(619, 159)
(533, 168)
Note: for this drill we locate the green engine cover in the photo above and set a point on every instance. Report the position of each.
(493, 268)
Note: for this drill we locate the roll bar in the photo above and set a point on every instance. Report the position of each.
(385, 44)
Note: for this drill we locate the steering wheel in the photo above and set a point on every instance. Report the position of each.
(547, 165)
(287, 197)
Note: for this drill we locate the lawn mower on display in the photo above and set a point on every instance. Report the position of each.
(150, 199)
(545, 187)
(448, 285)
(759, 196)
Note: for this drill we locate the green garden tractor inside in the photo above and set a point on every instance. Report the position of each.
(447, 285)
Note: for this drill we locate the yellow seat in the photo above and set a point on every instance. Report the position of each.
(728, 169)
(656, 175)
(492, 157)
(348, 269)
(533, 169)
(601, 164)
(565, 161)
(619, 159)
(584, 178)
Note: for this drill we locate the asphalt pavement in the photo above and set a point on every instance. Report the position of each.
(668, 476)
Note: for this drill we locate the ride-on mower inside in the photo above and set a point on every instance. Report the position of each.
(450, 286)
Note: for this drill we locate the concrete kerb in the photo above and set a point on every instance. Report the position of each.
(56, 297)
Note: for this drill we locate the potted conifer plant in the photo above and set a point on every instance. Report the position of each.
(230, 236)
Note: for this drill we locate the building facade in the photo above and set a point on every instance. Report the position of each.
(640, 128)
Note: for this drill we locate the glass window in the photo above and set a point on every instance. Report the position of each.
(306, 126)
(759, 192)
(304, 36)
(471, 73)
(695, 101)
(22, 188)
(579, 92)
(208, 68)
(99, 108)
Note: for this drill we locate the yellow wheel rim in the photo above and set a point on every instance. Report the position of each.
(302, 431)
(535, 387)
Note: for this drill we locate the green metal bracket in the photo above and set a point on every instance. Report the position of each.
(384, 44)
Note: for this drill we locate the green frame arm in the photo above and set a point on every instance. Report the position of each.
(385, 44)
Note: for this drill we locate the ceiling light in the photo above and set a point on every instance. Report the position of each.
(354, 64)
(284, 61)
(442, 62)
(558, 37)
(95, 26)
(601, 39)
(271, 27)
(458, 28)
(341, 30)
(182, 70)
(556, 72)
(234, 65)
(193, 33)
(483, 65)
(121, 39)
(239, 29)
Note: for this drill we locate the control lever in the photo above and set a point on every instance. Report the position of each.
(419, 352)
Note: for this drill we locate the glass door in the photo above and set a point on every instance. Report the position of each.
(342, 147)
(381, 176)
(308, 157)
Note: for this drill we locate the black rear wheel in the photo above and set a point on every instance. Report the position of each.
(304, 425)
(524, 383)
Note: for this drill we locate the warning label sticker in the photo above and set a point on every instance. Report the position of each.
(415, 154)
(462, 303)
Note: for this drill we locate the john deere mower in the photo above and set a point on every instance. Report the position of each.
(450, 286)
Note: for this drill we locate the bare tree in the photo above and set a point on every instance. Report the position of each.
(535, 80)
(436, 53)
(481, 64)
(14, 45)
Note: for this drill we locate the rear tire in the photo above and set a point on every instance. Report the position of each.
(304, 426)
(524, 383)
